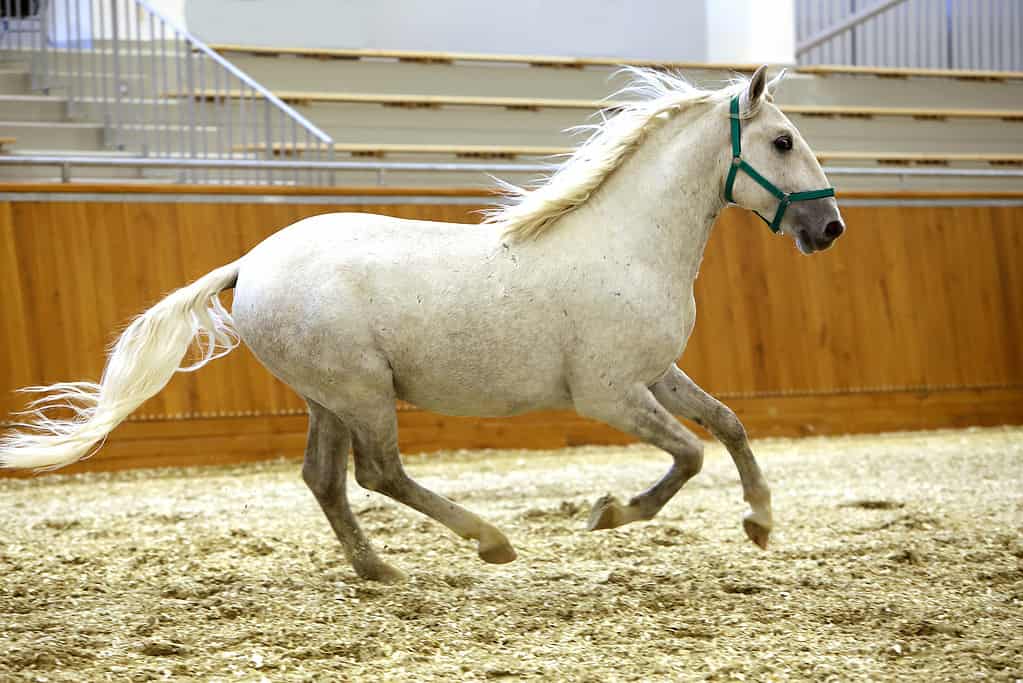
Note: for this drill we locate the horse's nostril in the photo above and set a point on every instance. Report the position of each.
(834, 229)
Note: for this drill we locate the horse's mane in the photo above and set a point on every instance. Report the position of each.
(656, 95)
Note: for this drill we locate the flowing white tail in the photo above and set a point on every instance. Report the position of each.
(141, 363)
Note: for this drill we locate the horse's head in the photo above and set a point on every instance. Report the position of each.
(774, 172)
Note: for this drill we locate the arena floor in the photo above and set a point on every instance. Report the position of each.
(896, 557)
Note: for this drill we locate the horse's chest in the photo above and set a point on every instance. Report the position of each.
(637, 338)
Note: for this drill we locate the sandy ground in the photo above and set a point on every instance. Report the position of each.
(896, 557)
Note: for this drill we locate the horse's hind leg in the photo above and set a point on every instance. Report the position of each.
(378, 468)
(637, 412)
(324, 470)
(681, 396)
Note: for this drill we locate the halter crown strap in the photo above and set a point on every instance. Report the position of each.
(739, 164)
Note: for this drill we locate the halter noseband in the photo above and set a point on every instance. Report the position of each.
(784, 198)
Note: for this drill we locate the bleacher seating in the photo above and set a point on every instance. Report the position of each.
(436, 105)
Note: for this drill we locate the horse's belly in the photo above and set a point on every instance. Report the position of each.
(487, 381)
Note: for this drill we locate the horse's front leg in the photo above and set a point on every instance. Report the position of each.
(681, 396)
(637, 412)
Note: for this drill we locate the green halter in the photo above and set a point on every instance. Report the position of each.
(784, 198)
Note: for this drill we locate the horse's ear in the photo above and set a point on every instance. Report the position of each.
(756, 85)
(772, 85)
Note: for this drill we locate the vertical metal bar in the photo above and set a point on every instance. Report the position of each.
(961, 55)
(7, 23)
(41, 82)
(91, 61)
(251, 135)
(99, 58)
(243, 123)
(115, 54)
(165, 87)
(309, 152)
(138, 82)
(201, 70)
(218, 111)
(268, 139)
(229, 107)
(1012, 54)
(80, 78)
(68, 70)
(154, 120)
(191, 104)
(898, 24)
(180, 86)
(294, 141)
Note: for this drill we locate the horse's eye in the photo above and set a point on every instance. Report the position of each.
(783, 143)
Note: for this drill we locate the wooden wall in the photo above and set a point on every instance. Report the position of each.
(914, 320)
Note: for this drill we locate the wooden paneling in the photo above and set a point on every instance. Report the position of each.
(912, 302)
(227, 440)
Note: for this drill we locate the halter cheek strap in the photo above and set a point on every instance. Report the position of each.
(739, 164)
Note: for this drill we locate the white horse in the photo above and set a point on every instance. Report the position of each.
(577, 294)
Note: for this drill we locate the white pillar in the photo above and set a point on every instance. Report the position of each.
(751, 31)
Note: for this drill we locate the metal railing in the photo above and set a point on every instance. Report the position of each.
(939, 34)
(68, 164)
(159, 91)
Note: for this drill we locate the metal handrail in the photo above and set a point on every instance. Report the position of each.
(238, 73)
(66, 163)
(126, 64)
(920, 34)
(845, 25)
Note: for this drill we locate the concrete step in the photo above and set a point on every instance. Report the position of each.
(519, 80)
(14, 81)
(33, 107)
(360, 123)
(49, 135)
(142, 56)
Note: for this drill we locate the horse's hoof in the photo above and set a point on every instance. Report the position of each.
(756, 532)
(501, 553)
(606, 514)
(382, 572)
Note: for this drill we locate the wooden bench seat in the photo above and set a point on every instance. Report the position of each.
(385, 149)
(923, 159)
(410, 101)
(430, 57)
(536, 103)
(514, 151)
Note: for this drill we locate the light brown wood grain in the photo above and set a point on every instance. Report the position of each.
(438, 57)
(222, 441)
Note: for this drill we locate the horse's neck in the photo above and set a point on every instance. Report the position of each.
(660, 205)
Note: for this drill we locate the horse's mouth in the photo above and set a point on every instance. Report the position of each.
(804, 242)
